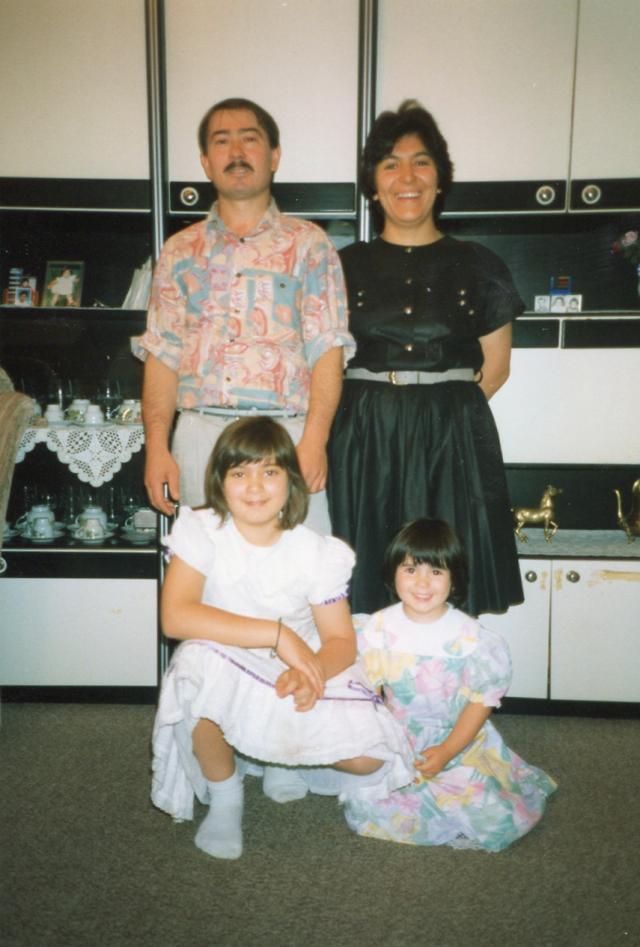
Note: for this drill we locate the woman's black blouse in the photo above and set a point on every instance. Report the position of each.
(425, 307)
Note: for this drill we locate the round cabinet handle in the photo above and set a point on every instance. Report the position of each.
(573, 576)
(3, 565)
(531, 576)
(545, 195)
(189, 196)
(591, 194)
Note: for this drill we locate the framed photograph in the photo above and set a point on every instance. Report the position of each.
(542, 303)
(574, 303)
(23, 296)
(63, 283)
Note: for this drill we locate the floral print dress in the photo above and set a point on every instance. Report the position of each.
(486, 797)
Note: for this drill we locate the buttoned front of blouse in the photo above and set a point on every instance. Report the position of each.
(425, 307)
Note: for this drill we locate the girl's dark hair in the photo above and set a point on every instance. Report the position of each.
(433, 542)
(388, 128)
(249, 440)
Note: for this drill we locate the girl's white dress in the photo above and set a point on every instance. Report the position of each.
(234, 686)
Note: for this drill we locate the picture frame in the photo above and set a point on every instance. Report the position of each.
(23, 296)
(63, 283)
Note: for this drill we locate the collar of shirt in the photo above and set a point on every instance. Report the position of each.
(269, 218)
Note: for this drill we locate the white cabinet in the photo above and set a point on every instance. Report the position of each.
(74, 90)
(78, 632)
(578, 630)
(497, 76)
(570, 406)
(606, 124)
(526, 630)
(595, 630)
(298, 60)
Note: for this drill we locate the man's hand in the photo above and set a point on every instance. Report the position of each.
(313, 464)
(161, 468)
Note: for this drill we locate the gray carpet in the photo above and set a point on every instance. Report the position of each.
(86, 861)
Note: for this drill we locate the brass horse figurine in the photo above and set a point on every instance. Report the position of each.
(544, 514)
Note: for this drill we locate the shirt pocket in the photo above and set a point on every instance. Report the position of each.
(277, 296)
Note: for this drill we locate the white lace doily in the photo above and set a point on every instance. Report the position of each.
(95, 454)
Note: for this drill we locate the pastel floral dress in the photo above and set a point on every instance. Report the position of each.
(487, 796)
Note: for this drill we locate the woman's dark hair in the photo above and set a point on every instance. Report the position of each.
(249, 440)
(265, 121)
(388, 128)
(433, 542)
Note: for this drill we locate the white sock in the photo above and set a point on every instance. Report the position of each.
(283, 784)
(220, 833)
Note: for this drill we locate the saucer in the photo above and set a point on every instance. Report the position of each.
(90, 541)
(41, 540)
(9, 533)
(139, 537)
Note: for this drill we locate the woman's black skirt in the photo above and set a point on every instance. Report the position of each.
(400, 452)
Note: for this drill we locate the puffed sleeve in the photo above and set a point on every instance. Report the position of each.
(332, 572)
(487, 671)
(189, 540)
(502, 302)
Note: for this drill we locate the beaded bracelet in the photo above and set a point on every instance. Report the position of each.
(274, 651)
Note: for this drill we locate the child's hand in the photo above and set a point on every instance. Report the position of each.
(435, 758)
(296, 683)
(299, 656)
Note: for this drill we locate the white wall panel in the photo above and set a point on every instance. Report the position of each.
(73, 81)
(496, 74)
(570, 406)
(298, 59)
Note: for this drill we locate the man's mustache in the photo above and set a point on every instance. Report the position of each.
(238, 163)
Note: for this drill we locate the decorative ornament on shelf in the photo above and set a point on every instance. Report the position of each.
(538, 515)
(628, 246)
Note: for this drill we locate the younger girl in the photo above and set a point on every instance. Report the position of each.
(267, 671)
(442, 674)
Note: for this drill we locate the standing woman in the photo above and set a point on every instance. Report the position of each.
(431, 315)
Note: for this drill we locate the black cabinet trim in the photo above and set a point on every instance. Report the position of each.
(536, 334)
(616, 194)
(327, 199)
(601, 334)
(75, 194)
(475, 197)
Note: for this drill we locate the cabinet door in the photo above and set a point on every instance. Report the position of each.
(74, 94)
(78, 632)
(297, 60)
(606, 128)
(570, 406)
(595, 630)
(497, 76)
(526, 629)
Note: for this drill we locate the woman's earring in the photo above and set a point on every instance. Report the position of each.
(280, 514)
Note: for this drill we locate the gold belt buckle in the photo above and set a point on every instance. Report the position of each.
(393, 379)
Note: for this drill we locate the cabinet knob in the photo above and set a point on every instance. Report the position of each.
(3, 565)
(545, 195)
(531, 576)
(591, 194)
(189, 196)
(573, 576)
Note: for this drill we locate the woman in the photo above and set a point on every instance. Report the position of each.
(431, 315)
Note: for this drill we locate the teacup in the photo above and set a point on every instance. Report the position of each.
(91, 529)
(93, 414)
(40, 528)
(142, 519)
(39, 513)
(129, 412)
(90, 517)
(76, 410)
(54, 414)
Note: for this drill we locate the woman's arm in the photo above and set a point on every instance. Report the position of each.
(496, 351)
(466, 728)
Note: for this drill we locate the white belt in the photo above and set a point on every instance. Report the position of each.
(241, 412)
(411, 378)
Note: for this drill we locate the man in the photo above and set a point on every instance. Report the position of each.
(247, 315)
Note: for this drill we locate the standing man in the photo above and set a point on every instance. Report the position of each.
(247, 315)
